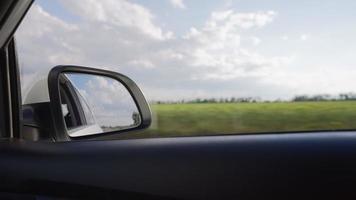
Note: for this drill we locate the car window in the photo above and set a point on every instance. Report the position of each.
(207, 67)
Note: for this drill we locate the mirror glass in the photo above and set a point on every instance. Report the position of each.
(93, 104)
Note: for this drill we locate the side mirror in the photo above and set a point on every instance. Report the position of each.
(88, 102)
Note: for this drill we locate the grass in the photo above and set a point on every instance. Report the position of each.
(234, 118)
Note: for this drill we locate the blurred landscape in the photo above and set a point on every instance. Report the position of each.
(249, 115)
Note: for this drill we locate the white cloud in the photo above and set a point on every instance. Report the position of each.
(217, 50)
(142, 63)
(44, 41)
(304, 37)
(118, 13)
(166, 67)
(317, 80)
(112, 105)
(231, 19)
(255, 41)
(284, 37)
(178, 3)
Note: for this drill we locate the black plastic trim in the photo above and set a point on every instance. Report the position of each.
(37, 121)
(287, 166)
(5, 101)
(15, 87)
(11, 14)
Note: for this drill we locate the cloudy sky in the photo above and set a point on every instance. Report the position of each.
(184, 49)
(112, 105)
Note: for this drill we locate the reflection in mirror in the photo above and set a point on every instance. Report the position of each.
(93, 104)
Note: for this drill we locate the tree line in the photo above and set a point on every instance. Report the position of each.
(326, 97)
(298, 98)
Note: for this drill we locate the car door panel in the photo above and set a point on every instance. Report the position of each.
(213, 167)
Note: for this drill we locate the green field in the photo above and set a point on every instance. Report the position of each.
(234, 118)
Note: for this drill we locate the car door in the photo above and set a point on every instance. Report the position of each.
(261, 166)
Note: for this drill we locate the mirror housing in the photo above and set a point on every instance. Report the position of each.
(60, 129)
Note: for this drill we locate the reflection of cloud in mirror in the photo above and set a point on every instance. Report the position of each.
(111, 103)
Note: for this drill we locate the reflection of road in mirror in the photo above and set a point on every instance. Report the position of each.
(104, 102)
(136, 122)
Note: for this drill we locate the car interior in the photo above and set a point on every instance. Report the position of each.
(38, 160)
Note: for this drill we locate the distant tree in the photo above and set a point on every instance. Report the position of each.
(136, 118)
(301, 98)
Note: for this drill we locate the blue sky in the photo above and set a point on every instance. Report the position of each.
(180, 49)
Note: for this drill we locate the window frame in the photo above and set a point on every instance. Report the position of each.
(11, 14)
